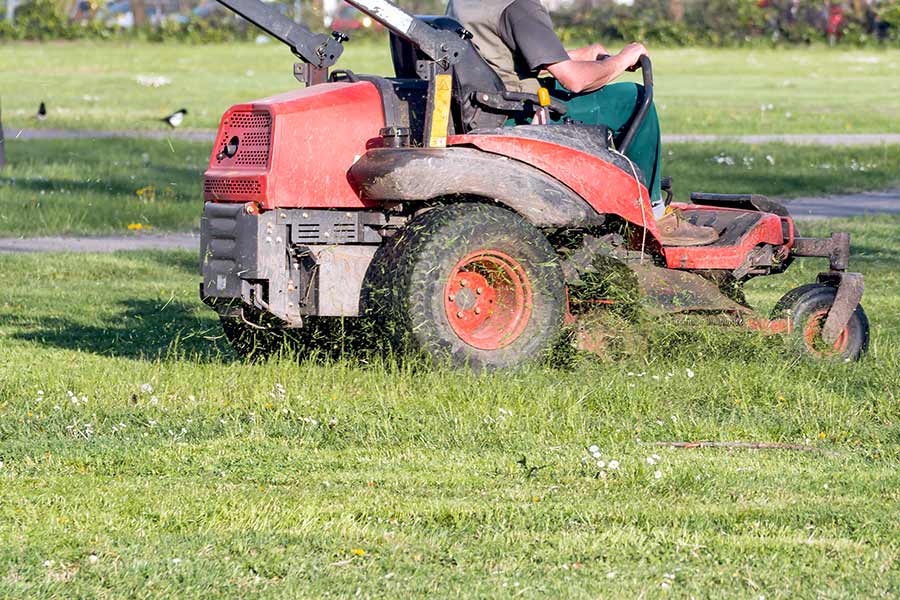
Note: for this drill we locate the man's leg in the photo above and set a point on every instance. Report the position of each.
(613, 106)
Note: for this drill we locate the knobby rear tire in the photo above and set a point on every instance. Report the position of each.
(406, 292)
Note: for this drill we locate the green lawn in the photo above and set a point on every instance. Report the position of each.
(93, 85)
(139, 459)
(91, 186)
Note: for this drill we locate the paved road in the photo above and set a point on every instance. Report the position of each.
(193, 135)
(849, 205)
(142, 241)
(208, 135)
(886, 202)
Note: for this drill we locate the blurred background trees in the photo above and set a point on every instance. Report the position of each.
(661, 22)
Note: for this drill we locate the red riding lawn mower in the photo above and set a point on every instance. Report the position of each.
(407, 200)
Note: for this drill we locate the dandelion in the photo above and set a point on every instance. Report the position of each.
(358, 552)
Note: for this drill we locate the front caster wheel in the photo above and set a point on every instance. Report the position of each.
(807, 308)
(472, 283)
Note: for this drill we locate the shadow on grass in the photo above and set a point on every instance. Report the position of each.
(143, 329)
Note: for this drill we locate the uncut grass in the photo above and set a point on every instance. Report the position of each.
(698, 91)
(384, 478)
(91, 186)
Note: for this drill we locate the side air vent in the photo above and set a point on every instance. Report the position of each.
(224, 187)
(253, 130)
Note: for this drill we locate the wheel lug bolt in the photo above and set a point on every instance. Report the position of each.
(459, 315)
(462, 283)
(477, 311)
(479, 290)
(452, 298)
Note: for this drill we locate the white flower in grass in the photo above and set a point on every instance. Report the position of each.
(690, 373)
(613, 465)
(176, 561)
(146, 388)
(601, 464)
(674, 419)
(651, 461)
(657, 474)
(611, 575)
(40, 392)
(594, 448)
(597, 454)
(93, 558)
(655, 457)
(602, 474)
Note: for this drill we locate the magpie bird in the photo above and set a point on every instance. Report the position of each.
(175, 119)
(42, 112)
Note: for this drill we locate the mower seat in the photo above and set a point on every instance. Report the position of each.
(480, 99)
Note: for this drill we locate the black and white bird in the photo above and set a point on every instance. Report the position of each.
(175, 119)
(42, 112)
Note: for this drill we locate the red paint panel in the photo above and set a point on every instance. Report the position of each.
(605, 187)
(315, 136)
(766, 231)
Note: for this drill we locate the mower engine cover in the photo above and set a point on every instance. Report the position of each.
(295, 149)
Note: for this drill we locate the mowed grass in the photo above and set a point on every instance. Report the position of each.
(141, 459)
(103, 186)
(698, 91)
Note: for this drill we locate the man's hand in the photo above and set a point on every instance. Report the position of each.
(592, 52)
(632, 54)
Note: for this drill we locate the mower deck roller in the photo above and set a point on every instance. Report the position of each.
(408, 201)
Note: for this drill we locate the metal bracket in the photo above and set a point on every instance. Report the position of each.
(308, 74)
(836, 249)
(849, 292)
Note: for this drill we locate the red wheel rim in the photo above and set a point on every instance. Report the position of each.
(488, 299)
(812, 335)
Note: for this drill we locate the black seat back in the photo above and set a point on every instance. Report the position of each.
(471, 74)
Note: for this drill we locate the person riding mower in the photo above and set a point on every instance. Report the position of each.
(516, 38)
(473, 222)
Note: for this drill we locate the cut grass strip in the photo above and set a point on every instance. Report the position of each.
(102, 186)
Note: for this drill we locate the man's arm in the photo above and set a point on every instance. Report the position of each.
(588, 75)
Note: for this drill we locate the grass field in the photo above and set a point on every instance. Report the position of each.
(741, 91)
(140, 459)
(84, 186)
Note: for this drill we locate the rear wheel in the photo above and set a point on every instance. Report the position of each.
(807, 307)
(472, 283)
